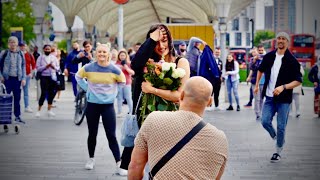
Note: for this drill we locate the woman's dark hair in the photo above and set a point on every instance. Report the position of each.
(156, 56)
(230, 65)
(46, 45)
(85, 43)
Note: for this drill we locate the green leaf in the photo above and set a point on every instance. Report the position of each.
(162, 107)
(151, 107)
(167, 81)
(161, 76)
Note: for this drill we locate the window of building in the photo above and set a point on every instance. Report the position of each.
(248, 39)
(246, 24)
(238, 39)
(235, 24)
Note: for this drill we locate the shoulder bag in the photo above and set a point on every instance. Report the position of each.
(130, 128)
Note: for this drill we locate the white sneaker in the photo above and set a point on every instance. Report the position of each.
(217, 109)
(90, 164)
(37, 114)
(120, 171)
(28, 110)
(51, 114)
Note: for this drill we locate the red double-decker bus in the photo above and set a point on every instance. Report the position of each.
(302, 47)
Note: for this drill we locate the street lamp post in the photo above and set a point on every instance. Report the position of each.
(252, 32)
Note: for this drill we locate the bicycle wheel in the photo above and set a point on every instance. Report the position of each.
(80, 110)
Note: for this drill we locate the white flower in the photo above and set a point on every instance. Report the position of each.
(173, 65)
(178, 73)
(181, 72)
(166, 66)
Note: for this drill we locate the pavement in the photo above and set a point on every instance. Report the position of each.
(55, 149)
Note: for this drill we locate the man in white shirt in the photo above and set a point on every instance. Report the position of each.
(282, 74)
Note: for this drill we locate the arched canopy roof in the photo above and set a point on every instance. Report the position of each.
(139, 15)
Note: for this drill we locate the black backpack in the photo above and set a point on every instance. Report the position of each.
(2, 60)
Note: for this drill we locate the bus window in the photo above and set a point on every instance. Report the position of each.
(303, 41)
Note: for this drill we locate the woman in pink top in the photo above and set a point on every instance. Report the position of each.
(124, 92)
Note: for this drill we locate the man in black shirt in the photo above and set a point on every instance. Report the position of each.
(282, 74)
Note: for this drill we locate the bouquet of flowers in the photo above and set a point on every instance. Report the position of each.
(161, 75)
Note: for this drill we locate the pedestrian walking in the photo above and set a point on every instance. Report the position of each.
(282, 74)
(314, 77)
(13, 73)
(30, 68)
(47, 65)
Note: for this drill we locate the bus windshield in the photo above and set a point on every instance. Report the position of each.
(303, 41)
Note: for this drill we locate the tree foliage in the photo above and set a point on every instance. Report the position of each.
(17, 13)
(263, 35)
(62, 45)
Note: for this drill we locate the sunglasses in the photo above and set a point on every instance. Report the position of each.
(182, 50)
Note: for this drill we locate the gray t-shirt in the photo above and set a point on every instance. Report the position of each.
(13, 70)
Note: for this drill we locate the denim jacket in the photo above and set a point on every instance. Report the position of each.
(6, 65)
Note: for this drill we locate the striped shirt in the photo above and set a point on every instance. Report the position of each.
(201, 158)
(102, 82)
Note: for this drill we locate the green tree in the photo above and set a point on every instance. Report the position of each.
(263, 35)
(17, 13)
(62, 45)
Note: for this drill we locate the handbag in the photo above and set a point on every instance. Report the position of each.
(130, 128)
(176, 149)
(38, 75)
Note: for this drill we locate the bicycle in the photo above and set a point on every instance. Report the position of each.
(81, 105)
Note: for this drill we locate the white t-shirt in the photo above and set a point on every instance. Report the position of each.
(274, 75)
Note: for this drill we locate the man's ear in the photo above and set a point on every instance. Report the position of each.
(181, 96)
(210, 101)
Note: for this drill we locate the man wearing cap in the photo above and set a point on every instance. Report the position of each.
(30, 67)
(282, 74)
(182, 50)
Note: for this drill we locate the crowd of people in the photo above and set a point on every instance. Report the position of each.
(109, 75)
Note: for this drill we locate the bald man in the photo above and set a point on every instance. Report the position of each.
(203, 157)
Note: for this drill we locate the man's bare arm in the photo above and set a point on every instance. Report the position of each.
(139, 159)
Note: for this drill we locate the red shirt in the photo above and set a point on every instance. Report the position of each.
(125, 72)
(30, 63)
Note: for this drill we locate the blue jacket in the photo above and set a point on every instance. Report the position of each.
(5, 63)
(208, 65)
(72, 68)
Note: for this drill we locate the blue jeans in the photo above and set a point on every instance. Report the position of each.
(125, 92)
(14, 85)
(74, 85)
(268, 111)
(26, 92)
(232, 86)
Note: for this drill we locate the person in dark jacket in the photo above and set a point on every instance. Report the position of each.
(158, 44)
(84, 56)
(217, 81)
(282, 74)
(209, 68)
(70, 68)
(314, 76)
(193, 54)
